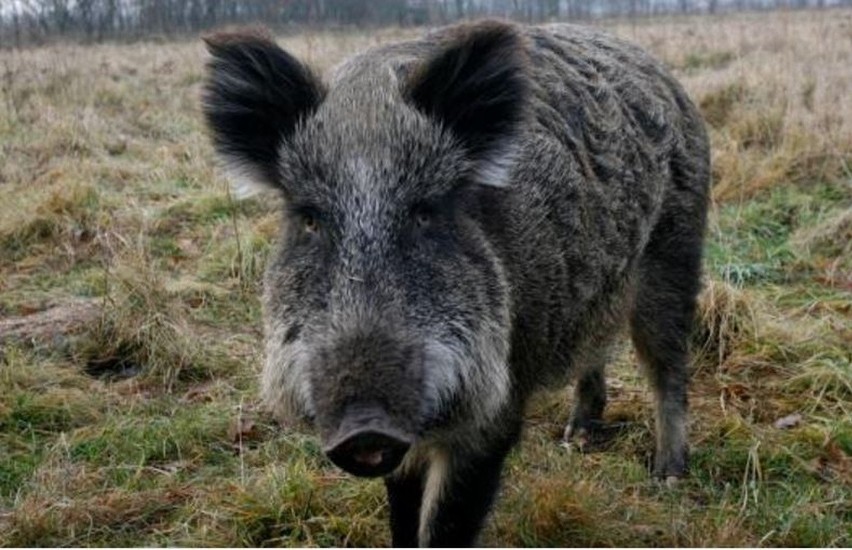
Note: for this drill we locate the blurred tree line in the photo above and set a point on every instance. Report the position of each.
(25, 22)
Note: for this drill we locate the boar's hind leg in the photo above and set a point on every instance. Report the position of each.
(668, 282)
(589, 403)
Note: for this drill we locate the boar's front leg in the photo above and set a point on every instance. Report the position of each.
(445, 504)
(459, 490)
(405, 493)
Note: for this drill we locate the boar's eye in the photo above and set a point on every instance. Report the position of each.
(310, 223)
(307, 219)
(423, 216)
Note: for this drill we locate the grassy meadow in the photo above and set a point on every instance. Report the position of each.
(130, 322)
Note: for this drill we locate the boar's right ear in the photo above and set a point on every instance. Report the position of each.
(477, 86)
(254, 96)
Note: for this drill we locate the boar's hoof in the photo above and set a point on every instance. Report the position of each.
(592, 435)
(669, 467)
(672, 481)
(668, 483)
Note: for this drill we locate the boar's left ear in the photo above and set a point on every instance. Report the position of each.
(254, 97)
(477, 86)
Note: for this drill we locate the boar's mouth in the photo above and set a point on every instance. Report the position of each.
(367, 444)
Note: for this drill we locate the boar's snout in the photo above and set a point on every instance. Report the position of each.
(367, 444)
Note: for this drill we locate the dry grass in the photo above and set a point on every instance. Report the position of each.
(141, 429)
(774, 91)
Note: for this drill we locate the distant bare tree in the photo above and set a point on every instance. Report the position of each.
(27, 21)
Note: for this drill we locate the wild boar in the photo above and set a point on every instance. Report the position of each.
(468, 217)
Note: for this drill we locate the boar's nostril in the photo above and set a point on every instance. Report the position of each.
(292, 333)
(369, 452)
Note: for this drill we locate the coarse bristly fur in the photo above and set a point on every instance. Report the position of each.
(469, 217)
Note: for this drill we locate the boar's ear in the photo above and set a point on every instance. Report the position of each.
(477, 86)
(254, 96)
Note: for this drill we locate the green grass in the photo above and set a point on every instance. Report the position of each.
(123, 433)
(752, 242)
(704, 60)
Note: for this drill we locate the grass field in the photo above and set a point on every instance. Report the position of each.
(130, 334)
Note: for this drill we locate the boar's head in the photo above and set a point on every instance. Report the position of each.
(387, 301)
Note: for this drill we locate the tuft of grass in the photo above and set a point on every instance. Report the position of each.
(699, 61)
(61, 403)
(763, 130)
(58, 217)
(125, 517)
(293, 505)
(754, 241)
(145, 330)
(828, 244)
(716, 106)
(726, 317)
